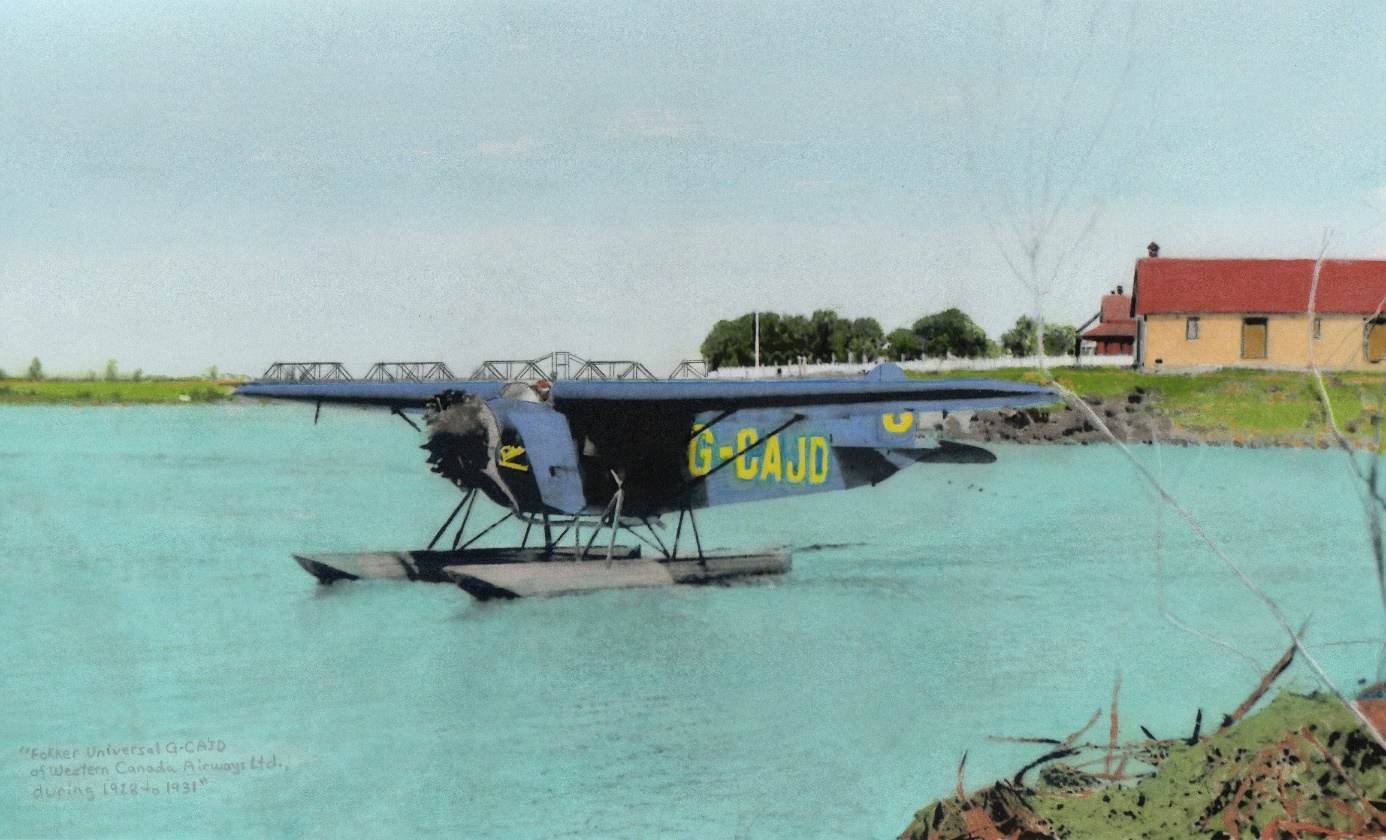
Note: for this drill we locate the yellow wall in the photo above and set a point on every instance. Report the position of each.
(1287, 342)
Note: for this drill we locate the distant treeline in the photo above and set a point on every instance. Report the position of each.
(825, 336)
(35, 373)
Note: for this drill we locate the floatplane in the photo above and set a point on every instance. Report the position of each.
(577, 459)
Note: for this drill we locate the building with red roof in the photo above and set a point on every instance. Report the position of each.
(1261, 313)
(1114, 334)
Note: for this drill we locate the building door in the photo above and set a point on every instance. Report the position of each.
(1253, 338)
(1376, 341)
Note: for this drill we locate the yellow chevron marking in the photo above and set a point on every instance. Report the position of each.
(508, 454)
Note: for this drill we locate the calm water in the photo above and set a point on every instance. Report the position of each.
(150, 600)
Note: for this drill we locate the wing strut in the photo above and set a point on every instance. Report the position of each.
(700, 429)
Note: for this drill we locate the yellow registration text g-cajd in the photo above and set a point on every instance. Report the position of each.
(796, 461)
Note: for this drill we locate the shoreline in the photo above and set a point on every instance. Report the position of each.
(1132, 419)
(1245, 409)
(86, 393)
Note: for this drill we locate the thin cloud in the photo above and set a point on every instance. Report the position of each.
(506, 148)
(666, 123)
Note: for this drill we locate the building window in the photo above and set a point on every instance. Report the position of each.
(1254, 343)
(1318, 328)
(1191, 329)
(1376, 340)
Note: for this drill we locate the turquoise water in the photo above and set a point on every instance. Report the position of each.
(150, 601)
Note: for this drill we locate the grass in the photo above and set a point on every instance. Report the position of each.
(102, 392)
(1231, 402)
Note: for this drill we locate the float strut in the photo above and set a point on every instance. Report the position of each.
(615, 524)
(451, 516)
(461, 529)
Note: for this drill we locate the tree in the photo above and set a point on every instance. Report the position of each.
(865, 339)
(774, 341)
(904, 345)
(112, 374)
(784, 339)
(829, 336)
(1070, 111)
(798, 334)
(1060, 339)
(36, 369)
(951, 332)
(730, 343)
(1019, 341)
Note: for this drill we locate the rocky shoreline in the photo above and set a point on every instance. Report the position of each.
(1132, 418)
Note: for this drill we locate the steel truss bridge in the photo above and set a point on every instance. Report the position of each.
(557, 365)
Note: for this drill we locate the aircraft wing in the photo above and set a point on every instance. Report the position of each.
(886, 388)
(397, 395)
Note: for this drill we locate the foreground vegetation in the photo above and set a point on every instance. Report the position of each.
(1301, 767)
(1272, 406)
(103, 392)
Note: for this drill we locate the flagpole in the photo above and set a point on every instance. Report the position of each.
(757, 344)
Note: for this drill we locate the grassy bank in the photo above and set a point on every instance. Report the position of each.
(1232, 403)
(101, 392)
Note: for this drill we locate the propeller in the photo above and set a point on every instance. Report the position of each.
(464, 438)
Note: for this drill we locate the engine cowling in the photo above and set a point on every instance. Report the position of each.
(519, 452)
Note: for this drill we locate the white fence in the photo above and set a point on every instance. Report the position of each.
(838, 371)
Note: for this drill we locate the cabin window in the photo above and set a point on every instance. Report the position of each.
(1254, 343)
(1376, 340)
(1191, 329)
(1318, 328)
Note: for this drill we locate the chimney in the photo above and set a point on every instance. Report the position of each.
(1118, 291)
(1154, 249)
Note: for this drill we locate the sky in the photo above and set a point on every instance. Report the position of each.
(189, 184)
